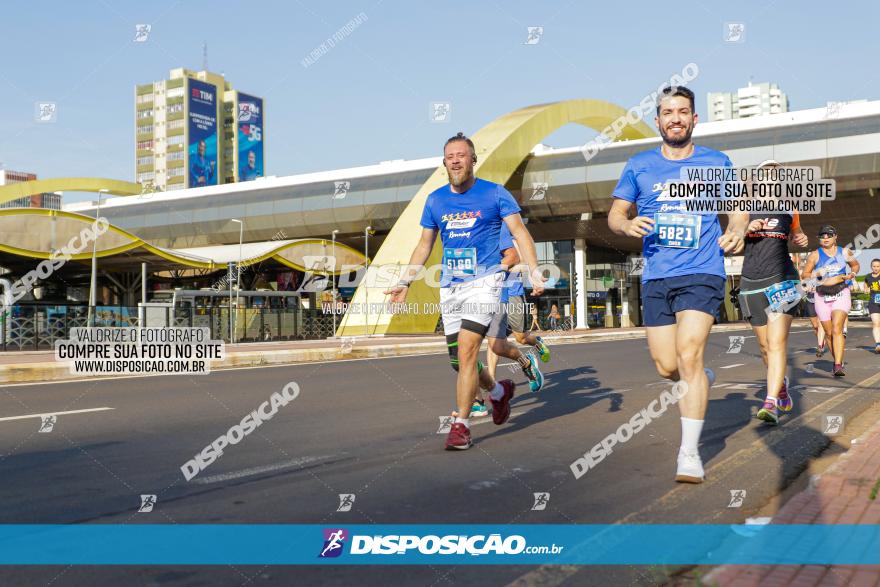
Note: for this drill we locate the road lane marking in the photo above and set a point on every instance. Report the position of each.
(605, 394)
(732, 366)
(220, 370)
(8, 418)
(257, 470)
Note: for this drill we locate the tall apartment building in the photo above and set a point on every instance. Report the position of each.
(194, 129)
(48, 200)
(752, 100)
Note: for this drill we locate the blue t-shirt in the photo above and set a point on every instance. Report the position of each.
(200, 167)
(643, 183)
(513, 285)
(470, 223)
(249, 173)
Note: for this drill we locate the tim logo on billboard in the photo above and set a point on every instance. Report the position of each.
(205, 97)
(202, 166)
(334, 542)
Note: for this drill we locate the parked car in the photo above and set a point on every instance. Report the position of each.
(859, 309)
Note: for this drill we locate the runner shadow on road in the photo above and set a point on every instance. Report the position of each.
(726, 416)
(736, 411)
(793, 445)
(565, 392)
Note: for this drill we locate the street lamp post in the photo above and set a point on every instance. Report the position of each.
(229, 283)
(237, 277)
(366, 283)
(93, 283)
(333, 281)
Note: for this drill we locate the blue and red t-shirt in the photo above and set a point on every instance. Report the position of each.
(470, 228)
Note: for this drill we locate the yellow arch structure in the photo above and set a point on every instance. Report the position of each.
(34, 236)
(35, 233)
(293, 256)
(117, 187)
(501, 146)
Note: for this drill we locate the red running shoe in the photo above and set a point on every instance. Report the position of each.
(501, 407)
(459, 437)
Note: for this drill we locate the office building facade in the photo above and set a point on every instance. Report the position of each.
(752, 100)
(52, 201)
(195, 130)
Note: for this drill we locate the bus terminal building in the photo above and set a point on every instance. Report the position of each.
(286, 229)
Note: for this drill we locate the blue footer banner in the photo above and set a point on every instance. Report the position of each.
(353, 544)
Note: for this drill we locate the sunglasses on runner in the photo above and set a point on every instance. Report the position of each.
(827, 235)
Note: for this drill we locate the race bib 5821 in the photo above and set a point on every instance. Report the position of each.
(681, 231)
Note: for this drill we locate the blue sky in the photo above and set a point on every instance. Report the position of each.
(368, 99)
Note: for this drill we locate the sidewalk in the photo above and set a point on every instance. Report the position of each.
(35, 366)
(841, 495)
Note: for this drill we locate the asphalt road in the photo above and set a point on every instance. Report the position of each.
(369, 428)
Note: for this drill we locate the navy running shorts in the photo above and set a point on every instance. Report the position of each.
(662, 298)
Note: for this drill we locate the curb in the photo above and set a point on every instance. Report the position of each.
(54, 371)
(838, 476)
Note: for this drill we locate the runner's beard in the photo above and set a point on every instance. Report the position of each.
(679, 141)
(457, 178)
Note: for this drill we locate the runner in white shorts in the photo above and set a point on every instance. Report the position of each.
(468, 214)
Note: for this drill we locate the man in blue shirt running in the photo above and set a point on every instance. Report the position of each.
(683, 280)
(468, 213)
(512, 318)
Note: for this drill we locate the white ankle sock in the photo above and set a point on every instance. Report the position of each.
(690, 434)
(465, 421)
(498, 392)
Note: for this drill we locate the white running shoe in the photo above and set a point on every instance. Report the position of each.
(690, 468)
(711, 375)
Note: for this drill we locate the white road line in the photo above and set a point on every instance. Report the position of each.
(258, 470)
(605, 394)
(55, 414)
(601, 395)
(483, 420)
(732, 366)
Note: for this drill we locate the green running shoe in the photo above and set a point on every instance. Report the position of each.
(543, 349)
(768, 412)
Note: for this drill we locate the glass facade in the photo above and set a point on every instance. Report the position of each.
(558, 292)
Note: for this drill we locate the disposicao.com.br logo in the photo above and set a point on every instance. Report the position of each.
(453, 544)
(334, 542)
